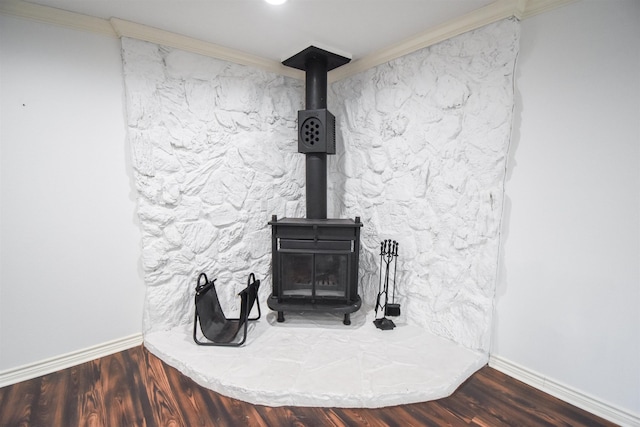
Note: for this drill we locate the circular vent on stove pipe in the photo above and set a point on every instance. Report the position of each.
(310, 132)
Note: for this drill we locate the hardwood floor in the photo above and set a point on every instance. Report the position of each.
(134, 388)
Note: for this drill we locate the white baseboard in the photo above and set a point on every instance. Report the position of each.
(565, 393)
(48, 366)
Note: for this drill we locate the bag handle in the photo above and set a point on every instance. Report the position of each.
(203, 287)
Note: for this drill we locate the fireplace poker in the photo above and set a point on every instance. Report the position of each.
(382, 247)
(388, 257)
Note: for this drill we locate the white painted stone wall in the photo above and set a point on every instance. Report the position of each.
(424, 141)
(214, 156)
(422, 149)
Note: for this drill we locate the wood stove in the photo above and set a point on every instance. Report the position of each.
(315, 266)
(315, 259)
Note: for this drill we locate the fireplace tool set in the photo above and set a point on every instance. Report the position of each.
(388, 256)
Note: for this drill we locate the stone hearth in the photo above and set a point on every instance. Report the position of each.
(314, 360)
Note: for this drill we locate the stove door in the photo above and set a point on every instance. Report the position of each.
(315, 269)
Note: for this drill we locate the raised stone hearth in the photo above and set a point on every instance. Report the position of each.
(314, 360)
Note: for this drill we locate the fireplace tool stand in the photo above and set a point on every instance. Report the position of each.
(388, 256)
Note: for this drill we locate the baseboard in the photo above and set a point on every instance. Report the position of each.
(565, 393)
(57, 363)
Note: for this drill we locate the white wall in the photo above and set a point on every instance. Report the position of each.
(70, 244)
(568, 303)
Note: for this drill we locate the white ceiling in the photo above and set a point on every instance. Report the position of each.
(355, 28)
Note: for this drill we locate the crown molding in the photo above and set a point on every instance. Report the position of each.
(166, 38)
(493, 12)
(114, 27)
(499, 9)
(536, 7)
(51, 15)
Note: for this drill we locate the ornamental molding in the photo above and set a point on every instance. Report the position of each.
(115, 27)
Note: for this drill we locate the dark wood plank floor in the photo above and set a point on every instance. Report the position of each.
(134, 388)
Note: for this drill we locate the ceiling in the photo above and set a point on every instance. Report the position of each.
(354, 28)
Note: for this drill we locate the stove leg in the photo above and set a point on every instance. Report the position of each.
(280, 316)
(347, 319)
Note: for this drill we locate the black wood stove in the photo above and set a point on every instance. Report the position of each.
(315, 259)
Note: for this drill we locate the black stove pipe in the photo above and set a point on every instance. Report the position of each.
(316, 163)
(316, 175)
(316, 63)
(315, 82)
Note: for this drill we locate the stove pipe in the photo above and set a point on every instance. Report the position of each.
(315, 81)
(316, 125)
(316, 170)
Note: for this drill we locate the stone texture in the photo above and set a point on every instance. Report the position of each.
(424, 139)
(324, 365)
(422, 143)
(213, 146)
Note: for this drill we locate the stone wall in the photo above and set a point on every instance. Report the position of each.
(421, 158)
(425, 139)
(214, 156)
